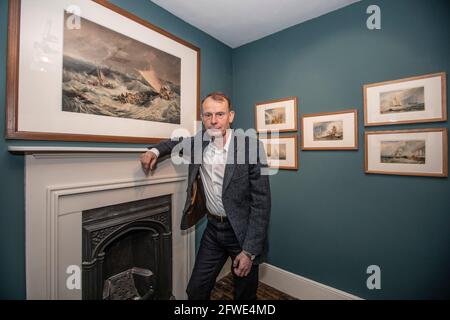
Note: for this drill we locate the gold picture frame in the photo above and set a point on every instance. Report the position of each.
(279, 115)
(336, 130)
(281, 151)
(415, 152)
(408, 100)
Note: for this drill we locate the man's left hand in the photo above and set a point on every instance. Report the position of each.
(242, 265)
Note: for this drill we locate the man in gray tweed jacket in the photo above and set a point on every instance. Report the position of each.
(230, 177)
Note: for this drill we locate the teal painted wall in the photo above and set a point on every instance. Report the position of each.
(330, 220)
(216, 74)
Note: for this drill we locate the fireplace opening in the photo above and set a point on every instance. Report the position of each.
(127, 251)
(127, 272)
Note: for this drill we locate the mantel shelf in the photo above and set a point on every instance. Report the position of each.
(37, 150)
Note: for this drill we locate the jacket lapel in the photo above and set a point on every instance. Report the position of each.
(194, 169)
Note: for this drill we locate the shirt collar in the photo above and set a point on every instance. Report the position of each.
(227, 143)
(229, 137)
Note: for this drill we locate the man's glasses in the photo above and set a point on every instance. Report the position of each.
(209, 115)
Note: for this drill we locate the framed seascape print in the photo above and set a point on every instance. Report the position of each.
(420, 152)
(330, 130)
(281, 152)
(276, 115)
(86, 70)
(410, 100)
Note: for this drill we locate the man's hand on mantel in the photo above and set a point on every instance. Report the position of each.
(148, 161)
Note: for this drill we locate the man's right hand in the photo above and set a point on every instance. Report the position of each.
(148, 161)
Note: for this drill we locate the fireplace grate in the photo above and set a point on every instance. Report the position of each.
(127, 285)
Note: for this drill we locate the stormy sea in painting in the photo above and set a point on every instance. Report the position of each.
(328, 131)
(106, 73)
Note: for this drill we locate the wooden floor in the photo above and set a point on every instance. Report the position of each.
(224, 288)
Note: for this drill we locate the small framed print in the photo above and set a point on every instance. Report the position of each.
(420, 152)
(281, 151)
(330, 130)
(276, 115)
(409, 100)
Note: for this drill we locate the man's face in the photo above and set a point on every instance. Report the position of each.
(216, 117)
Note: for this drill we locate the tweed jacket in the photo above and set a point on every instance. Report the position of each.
(245, 193)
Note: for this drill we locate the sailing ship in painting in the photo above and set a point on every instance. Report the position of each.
(407, 100)
(406, 152)
(276, 151)
(106, 73)
(328, 131)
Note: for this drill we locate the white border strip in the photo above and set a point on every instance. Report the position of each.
(300, 287)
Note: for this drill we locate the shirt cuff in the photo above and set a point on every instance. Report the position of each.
(248, 254)
(155, 151)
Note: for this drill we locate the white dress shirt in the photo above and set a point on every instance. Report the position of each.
(212, 172)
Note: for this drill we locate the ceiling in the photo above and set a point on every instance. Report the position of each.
(237, 22)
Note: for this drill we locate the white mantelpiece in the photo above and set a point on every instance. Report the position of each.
(62, 182)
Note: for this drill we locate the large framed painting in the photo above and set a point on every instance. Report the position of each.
(410, 100)
(86, 70)
(276, 115)
(419, 152)
(330, 130)
(281, 151)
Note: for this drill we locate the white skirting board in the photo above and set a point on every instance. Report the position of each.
(300, 287)
(294, 285)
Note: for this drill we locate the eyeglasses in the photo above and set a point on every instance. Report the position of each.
(209, 115)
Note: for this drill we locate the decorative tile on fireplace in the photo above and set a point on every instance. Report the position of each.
(127, 250)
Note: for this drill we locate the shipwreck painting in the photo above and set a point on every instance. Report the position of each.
(106, 73)
(328, 131)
